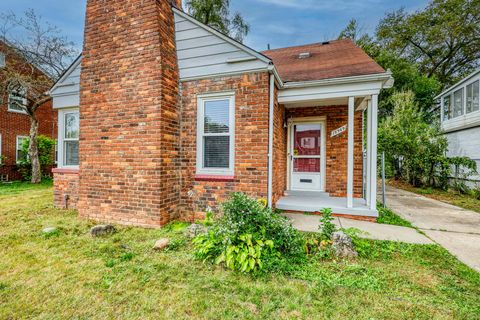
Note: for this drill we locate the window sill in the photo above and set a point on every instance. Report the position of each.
(65, 170)
(210, 177)
(17, 111)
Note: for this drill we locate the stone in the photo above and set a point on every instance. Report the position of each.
(194, 230)
(343, 245)
(161, 244)
(49, 230)
(102, 229)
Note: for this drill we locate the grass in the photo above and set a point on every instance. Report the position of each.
(452, 197)
(387, 216)
(72, 275)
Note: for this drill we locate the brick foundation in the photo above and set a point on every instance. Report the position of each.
(65, 195)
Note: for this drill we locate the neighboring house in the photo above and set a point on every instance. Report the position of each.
(15, 123)
(460, 119)
(162, 117)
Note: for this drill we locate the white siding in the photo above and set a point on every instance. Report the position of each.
(66, 92)
(202, 53)
(465, 143)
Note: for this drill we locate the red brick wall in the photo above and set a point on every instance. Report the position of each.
(251, 141)
(13, 124)
(279, 151)
(66, 184)
(129, 126)
(336, 147)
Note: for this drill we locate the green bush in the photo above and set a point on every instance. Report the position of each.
(45, 153)
(327, 227)
(247, 236)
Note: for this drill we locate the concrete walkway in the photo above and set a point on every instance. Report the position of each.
(376, 231)
(454, 228)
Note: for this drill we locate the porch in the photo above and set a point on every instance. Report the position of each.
(311, 201)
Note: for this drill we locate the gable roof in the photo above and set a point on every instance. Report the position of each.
(333, 59)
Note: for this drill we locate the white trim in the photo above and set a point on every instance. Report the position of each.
(372, 121)
(17, 146)
(68, 72)
(350, 149)
(61, 137)
(369, 147)
(201, 99)
(385, 76)
(458, 84)
(270, 139)
(24, 102)
(302, 120)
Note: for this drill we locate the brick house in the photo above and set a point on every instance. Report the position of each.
(162, 117)
(15, 123)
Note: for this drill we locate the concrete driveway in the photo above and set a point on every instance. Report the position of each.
(454, 228)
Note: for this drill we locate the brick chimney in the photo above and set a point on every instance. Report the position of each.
(129, 113)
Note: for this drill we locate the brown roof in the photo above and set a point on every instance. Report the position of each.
(335, 59)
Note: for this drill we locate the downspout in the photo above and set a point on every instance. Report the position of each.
(270, 139)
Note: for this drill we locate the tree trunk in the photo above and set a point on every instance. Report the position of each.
(33, 151)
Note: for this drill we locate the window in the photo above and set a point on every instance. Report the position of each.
(457, 103)
(21, 156)
(473, 97)
(69, 133)
(2, 60)
(447, 110)
(16, 100)
(215, 136)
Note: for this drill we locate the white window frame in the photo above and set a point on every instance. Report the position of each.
(16, 146)
(466, 94)
(201, 99)
(0, 148)
(61, 137)
(24, 102)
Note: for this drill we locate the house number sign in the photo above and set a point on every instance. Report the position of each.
(338, 131)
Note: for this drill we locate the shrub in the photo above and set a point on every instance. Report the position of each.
(327, 227)
(247, 235)
(45, 154)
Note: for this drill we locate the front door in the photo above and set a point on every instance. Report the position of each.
(306, 156)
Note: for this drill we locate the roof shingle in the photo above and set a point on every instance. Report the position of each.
(337, 59)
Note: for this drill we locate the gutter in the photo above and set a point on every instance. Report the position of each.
(386, 77)
(270, 140)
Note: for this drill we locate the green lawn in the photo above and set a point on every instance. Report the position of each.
(74, 276)
(460, 200)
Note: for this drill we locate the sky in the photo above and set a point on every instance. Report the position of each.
(280, 23)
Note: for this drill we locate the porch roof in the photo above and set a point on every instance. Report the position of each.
(327, 60)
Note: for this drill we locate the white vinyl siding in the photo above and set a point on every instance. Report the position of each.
(68, 138)
(216, 134)
(202, 53)
(66, 92)
(20, 155)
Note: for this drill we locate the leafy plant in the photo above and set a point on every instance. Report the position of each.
(45, 154)
(327, 227)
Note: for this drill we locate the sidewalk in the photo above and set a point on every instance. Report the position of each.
(376, 231)
(454, 228)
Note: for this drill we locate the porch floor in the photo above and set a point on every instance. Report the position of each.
(310, 201)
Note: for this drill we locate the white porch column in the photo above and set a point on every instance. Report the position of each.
(369, 148)
(373, 152)
(350, 158)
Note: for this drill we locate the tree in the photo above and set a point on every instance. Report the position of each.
(36, 55)
(356, 33)
(216, 14)
(443, 39)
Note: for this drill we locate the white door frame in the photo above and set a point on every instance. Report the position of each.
(306, 120)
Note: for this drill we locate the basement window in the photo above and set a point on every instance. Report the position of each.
(215, 134)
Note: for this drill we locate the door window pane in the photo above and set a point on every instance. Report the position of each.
(216, 116)
(71, 153)
(473, 97)
(458, 103)
(216, 151)
(307, 139)
(306, 165)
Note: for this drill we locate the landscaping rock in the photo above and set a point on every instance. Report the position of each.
(102, 229)
(49, 230)
(194, 230)
(343, 245)
(161, 244)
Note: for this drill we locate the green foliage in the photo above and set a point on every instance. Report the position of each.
(414, 149)
(247, 236)
(45, 155)
(327, 227)
(216, 14)
(441, 39)
(387, 216)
